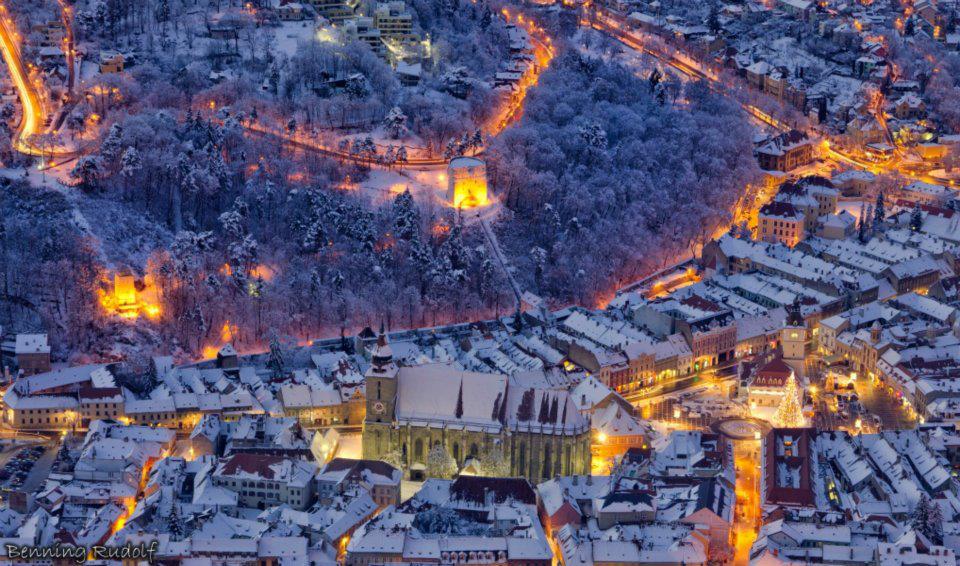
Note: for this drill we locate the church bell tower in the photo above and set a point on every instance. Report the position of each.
(381, 383)
(793, 339)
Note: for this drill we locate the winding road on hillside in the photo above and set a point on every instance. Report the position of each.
(35, 119)
(510, 113)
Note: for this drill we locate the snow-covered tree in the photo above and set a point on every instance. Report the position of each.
(538, 256)
(87, 172)
(177, 528)
(916, 218)
(396, 123)
(456, 81)
(790, 412)
(862, 224)
(389, 156)
(927, 519)
(439, 520)
(919, 519)
(356, 87)
(314, 237)
(452, 149)
(112, 143)
(494, 462)
(654, 79)
(406, 215)
(879, 213)
(593, 135)
(130, 163)
(440, 464)
(233, 224)
(275, 360)
(394, 458)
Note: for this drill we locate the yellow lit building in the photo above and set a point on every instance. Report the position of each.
(125, 292)
(781, 222)
(130, 299)
(467, 182)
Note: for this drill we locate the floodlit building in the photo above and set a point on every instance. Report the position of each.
(263, 480)
(363, 29)
(467, 182)
(781, 222)
(540, 432)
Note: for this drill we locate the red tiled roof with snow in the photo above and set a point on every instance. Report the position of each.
(261, 465)
(787, 471)
(772, 374)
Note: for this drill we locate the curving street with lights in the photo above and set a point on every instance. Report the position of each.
(511, 111)
(34, 117)
(33, 113)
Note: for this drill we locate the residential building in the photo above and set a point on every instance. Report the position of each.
(263, 480)
(781, 222)
(785, 152)
(342, 475)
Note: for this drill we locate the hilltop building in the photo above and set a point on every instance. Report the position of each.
(467, 182)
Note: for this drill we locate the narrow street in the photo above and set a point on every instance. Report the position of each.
(747, 458)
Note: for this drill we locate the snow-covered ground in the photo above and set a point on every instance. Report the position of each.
(853, 206)
(429, 190)
(290, 35)
(425, 186)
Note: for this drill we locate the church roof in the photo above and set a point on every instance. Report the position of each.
(440, 393)
(543, 409)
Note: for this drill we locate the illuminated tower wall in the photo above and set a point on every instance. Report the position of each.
(467, 182)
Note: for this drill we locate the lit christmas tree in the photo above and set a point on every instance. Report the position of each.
(790, 412)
